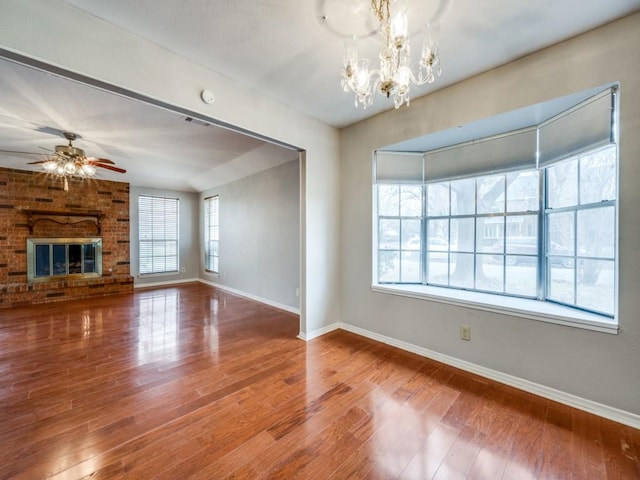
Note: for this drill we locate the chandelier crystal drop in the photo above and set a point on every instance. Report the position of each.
(394, 76)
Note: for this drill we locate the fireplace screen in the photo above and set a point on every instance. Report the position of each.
(52, 258)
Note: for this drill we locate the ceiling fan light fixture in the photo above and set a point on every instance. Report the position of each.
(68, 161)
(50, 165)
(69, 167)
(88, 170)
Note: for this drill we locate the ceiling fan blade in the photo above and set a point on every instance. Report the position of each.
(100, 160)
(109, 167)
(20, 153)
(35, 163)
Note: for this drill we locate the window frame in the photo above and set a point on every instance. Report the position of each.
(156, 201)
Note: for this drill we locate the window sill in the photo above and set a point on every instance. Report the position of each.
(518, 307)
(158, 274)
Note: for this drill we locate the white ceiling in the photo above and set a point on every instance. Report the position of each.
(290, 50)
(158, 148)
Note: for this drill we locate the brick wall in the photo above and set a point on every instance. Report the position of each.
(22, 190)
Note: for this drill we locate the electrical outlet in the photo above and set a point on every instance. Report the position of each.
(183, 269)
(465, 332)
(298, 292)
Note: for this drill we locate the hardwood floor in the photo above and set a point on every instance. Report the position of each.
(193, 382)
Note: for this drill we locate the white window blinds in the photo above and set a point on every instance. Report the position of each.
(211, 233)
(158, 234)
(402, 167)
(509, 151)
(586, 126)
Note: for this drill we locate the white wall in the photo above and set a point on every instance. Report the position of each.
(260, 235)
(188, 235)
(595, 366)
(89, 46)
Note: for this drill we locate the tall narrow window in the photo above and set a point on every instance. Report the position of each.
(211, 233)
(158, 234)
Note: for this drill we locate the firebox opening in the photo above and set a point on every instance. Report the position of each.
(57, 258)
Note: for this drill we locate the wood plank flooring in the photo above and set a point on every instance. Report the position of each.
(190, 382)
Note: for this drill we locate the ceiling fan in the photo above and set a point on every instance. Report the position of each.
(68, 160)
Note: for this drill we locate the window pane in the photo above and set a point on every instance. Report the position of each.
(145, 264)
(89, 257)
(595, 290)
(518, 245)
(598, 176)
(410, 234)
(491, 194)
(388, 200)
(438, 200)
(523, 192)
(490, 231)
(411, 267)
(561, 233)
(462, 270)
(410, 201)
(489, 275)
(438, 234)
(389, 234)
(463, 197)
(59, 260)
(522, 225)
(562, 185)
(438, 268)
(596, 232)
(521, 278)
(561, 284)
(438, 241)
(75, 258)
(388, 266)
(462, 234)
(42, 260)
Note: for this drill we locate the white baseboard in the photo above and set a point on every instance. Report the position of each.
(165, 283)
(611, 413)
(266, 301)
(321, 331)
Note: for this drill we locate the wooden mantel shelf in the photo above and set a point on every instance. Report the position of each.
(64, 218)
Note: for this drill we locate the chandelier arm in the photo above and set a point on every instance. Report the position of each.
(416, 81)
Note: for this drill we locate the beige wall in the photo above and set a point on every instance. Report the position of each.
(595, 366)
(259, 235)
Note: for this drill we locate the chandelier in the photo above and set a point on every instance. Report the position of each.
(394, 76)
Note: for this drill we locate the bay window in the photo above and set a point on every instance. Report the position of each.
(526, 214)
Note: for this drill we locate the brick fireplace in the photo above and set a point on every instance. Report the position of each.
(34, 206)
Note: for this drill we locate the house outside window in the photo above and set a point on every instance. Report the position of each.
(158, 234)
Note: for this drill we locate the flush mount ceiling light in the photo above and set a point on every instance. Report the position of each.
(393, 76)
